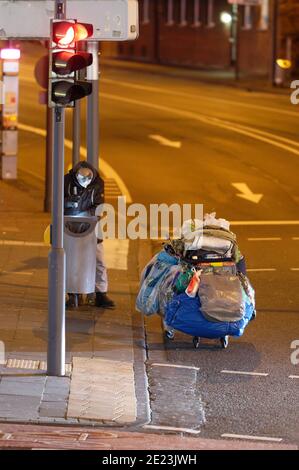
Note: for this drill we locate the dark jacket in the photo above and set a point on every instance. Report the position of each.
(86, 199)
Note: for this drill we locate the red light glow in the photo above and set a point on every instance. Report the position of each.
(67, 38)
(81, 32)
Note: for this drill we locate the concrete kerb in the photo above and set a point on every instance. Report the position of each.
(140, 350)
(144, 255)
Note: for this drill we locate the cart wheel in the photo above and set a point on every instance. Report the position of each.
(196, 341)
(224, 342)
(169, 334)
(253, 316)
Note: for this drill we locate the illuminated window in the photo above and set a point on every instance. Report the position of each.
(145, 18)
(247, 19)
(196, 13)
(170, 13)
(264, 15)
(183, 13)
(210, 14)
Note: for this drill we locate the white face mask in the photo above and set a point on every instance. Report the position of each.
(84, 180)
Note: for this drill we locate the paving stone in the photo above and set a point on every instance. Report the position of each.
(16, 406)
(53, 409)
(63, 389)
(109, 393)
(24, 389)
(50, 397)
(11, 372)
(35, 379)
(57, 382)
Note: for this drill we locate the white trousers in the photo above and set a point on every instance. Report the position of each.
(101, 270)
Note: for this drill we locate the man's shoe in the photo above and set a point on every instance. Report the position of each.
(91, 299)
(103, 301)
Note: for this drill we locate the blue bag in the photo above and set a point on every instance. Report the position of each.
(152, 278)
(183, 314)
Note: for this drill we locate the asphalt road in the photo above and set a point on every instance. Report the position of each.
(216, 136)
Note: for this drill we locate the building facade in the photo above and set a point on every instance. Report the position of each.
(195, 33)
(289, 33)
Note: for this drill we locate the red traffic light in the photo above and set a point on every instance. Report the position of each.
(65, 33)
(83, 31)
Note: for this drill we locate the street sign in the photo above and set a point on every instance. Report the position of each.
(113, 20)
(253, 3)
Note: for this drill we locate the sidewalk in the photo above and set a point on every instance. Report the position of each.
(105, 382)
(225, 77)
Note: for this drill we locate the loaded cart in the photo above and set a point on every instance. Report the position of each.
(80, 243)
(198, 284)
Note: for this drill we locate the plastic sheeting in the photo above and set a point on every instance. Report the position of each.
(166, 287)
(222, 297)
(153, 276)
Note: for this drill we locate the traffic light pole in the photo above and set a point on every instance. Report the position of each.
(76, 133)
(93, 107)
(236, 40)
(56, 281)
(56, 345)
(49, 161)
(275, 14)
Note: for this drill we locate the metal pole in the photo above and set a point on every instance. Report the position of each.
(93, 107)
(235, 39)
(56, 345)
(77, 118)
(274, 40)
(49, 160)
(76, 133)
(56, 281)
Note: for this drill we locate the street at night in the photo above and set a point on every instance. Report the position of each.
(168, 134)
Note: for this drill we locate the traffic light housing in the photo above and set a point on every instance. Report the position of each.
(65, 61)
